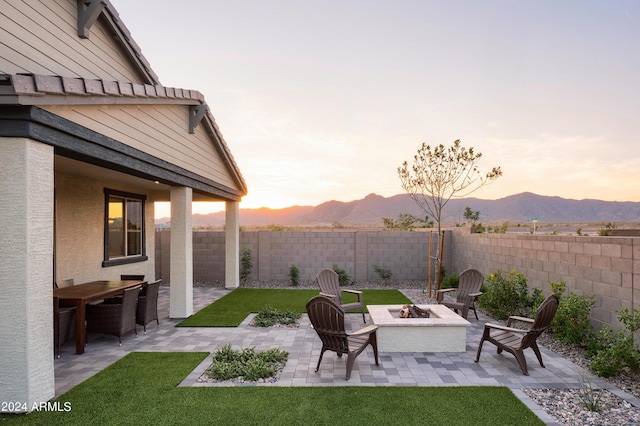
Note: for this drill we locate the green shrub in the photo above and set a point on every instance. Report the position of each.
(248, 364)
(572, 323)
(294, 275)
(383, 273)
(591, 396)
(506, 296)
(246, 263)
(614, 351)
(450, 281)
(343, 278)
(270, 316)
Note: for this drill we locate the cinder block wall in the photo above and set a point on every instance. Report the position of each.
(607, 267)
(405, 254)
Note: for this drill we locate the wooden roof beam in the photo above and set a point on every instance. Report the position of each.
(196, 112)
(88, 12)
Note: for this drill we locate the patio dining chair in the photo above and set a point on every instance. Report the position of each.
(116, 319)
(147, 310)
(329, 283)
(515, 340)
(64, 283)
(126, 277)
(63, 322)
(468, 291)
(327, 318)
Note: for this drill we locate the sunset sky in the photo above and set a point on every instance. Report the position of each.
(323, 100)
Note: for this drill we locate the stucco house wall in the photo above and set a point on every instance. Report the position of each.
(79, 206)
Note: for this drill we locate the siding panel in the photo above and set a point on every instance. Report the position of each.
(158, 130)
(48, 43)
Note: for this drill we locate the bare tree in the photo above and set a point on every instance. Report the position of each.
(439, 174)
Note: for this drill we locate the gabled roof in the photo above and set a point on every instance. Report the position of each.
(111, 16)
(22, 89)
(50, 90)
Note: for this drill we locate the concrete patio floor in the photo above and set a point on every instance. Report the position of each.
(303, 345)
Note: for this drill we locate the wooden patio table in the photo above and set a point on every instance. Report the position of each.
(81, 294)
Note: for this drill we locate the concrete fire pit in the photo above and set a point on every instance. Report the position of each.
(443, 331)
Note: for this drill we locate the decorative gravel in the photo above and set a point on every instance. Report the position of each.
(565, 405)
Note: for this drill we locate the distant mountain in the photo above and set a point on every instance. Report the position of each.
(519, 208)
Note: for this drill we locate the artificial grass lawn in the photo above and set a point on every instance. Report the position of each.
(232, 309)
(140, 389)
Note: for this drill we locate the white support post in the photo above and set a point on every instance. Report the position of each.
(232, 245)
(26, 272)
(181, 262)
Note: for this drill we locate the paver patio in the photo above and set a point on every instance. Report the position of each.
(303, 345)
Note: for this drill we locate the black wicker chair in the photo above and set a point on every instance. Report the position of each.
(116, 319)
(63, 322)
(148, 305)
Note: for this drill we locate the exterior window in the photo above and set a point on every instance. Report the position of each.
(124, 240)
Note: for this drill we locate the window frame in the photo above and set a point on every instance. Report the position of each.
(122, 260)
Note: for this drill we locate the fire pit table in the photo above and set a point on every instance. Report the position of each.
(443, 331)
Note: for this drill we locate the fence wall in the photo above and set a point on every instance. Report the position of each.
(606, 267)
(405, 254)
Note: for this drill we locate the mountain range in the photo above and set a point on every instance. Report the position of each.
(369, 211)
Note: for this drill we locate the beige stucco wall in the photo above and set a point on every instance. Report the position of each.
(80, 231)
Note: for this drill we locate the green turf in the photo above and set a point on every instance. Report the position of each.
(233, 308)
(140, 389)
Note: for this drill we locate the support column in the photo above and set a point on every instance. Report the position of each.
(232, 245)
(181, 275)
(26, 272)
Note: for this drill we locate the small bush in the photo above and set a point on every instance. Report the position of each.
(343, 278)
(506, 296)
(450, 281)
(614, 351)
(246, 263)
(294, 275)
(270, 316)
(383, 273)
(248, 364)
(572, 323)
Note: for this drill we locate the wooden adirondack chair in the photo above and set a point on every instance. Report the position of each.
(466, 294)
(330, 287)
(327, 318)
(514, 340)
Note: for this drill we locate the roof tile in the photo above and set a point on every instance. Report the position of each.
(24, 84)
(150, 90)
(125, 89)
(74, 86)
(138, 89)
(160, 91)
(49, 84)
(111, 88)
(94, 87)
